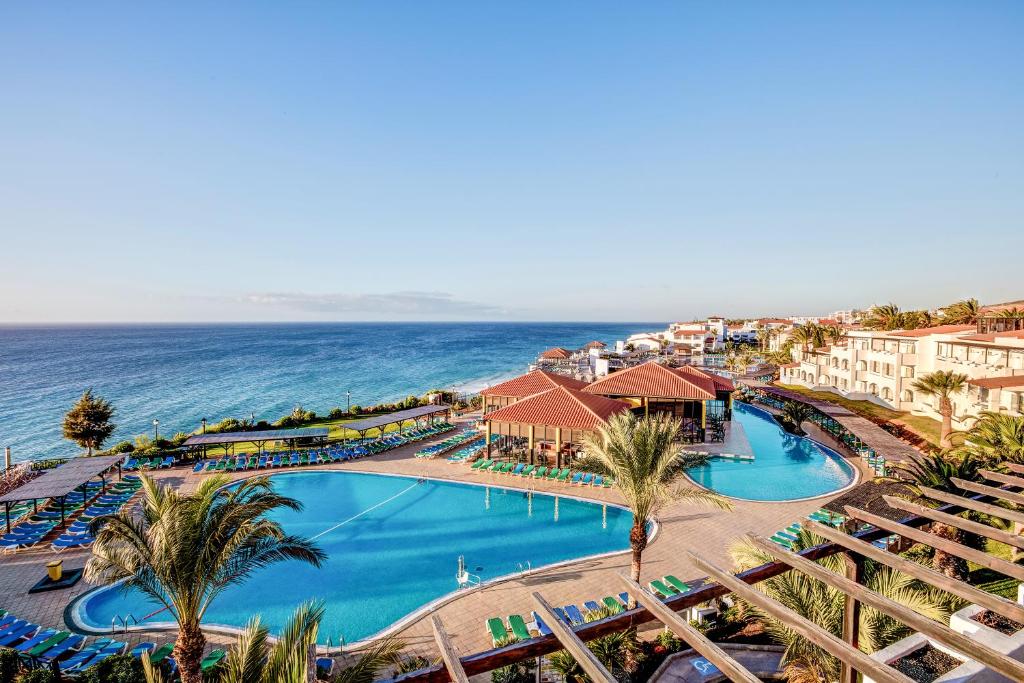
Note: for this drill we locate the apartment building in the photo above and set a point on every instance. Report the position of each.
(882, 367)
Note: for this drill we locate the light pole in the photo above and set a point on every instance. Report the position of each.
(348, 401)
(156, 431)
(204, 424)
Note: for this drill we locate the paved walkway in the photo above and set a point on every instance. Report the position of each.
(683, 527)
(688, 666)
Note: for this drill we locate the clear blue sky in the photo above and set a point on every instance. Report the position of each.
(508, 160)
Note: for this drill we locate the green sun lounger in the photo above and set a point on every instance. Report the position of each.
(211, 660)
(42, 647)
(518, 626)
(161, 653)
(612, 604)
(564, 475)
(482, 464)
(676, 583)
(527, 471)
(497, 629)
(661, 589)
(508, 467)
(540, 473)
(497, 465)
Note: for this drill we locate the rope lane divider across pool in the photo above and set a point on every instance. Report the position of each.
(369, 509)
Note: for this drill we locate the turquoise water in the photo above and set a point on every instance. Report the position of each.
(399, 554)
(179, 374)
(785, 467)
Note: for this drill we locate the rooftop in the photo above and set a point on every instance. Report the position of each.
(557, 353)
(654, 380)
(938, 329)
(1003, 382)
(532, 383)
(560, 407)
(261, 435)
(61, 481)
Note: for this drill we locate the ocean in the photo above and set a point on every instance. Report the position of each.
(179, 374)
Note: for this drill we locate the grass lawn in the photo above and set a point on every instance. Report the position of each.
(925, 427)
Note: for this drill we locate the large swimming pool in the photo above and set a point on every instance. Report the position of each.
(785, 467)
(393, 545)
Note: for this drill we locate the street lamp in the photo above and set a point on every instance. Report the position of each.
(156, 430)
(204, 424)
(348, 401)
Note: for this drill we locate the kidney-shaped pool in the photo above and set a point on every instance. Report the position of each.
(393, 545)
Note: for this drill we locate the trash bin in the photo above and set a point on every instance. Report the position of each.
(55, 569)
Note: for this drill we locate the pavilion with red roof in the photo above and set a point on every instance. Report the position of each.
(556, 419)
(518, 388)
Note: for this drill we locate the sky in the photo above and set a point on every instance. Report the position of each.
(506, 160)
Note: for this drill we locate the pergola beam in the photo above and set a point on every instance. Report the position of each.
(576, 647)
(801, 626)
(448, 655)
(959, 522)
(971, 504)
(1002, 478)
(932, 629)
(729, 667)
(990, 601)
(938, 542)
(1014, 467)
(1001, 494)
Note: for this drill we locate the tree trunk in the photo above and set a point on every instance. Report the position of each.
(188, 653)
(950, 565)
(638, 540)
(946, 410)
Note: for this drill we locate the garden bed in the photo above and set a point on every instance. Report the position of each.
(997, 622)
(925, 664)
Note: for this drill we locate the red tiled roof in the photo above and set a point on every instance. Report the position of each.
(557, 353)
(790, 365)
(652, 380)
(998, 382)
(532, 383)
(992, 336)
(718, 382)
(595, 345)
(939, 329)
(560, 407)
(996, 308)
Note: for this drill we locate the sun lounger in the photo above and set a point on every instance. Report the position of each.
(61, 648)
(142, 647)
(211, 660)
(484, 462)
(13, 636)
(541, 627)
(612, 604)
(574, 614)
(528, 470)
(592, 606)
(40, 636)
(496, 627)
(624, 597)
(676, 583)
(84, 655)
(576, 478)
(540, 472)
(563, 475)
(506, 468)
(661, 589)
(55, 638)
(518, 469)
(161, 653)
(587, 478)
(518, 627)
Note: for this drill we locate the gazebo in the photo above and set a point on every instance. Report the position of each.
(684, 393)
(559, 417)
(518, 388)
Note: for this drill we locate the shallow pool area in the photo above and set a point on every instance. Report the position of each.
(393, 546)
(784, 466)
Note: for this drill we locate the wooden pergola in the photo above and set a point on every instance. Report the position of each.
(855, 549)
(560, 417)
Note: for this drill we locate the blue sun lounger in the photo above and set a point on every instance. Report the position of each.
(574, 613)
(13, 636)
(592, 606)
(58, 650)
(542, 628)
(142, 647)
(40, 636)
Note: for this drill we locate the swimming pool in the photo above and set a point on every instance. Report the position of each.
(785, 467)
(393, 545)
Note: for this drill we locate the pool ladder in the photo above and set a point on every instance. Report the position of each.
(526, 569)
(124, 621)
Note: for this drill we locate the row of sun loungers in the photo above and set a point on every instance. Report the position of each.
(788, 536)
(469, 451)
(318, 456)
(515, 626)
(37, 526)
(158, 462)
(565, 474)
(448, 444)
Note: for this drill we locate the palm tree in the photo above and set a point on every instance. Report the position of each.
(884, 317)
(291, 659)
(738, 361)
(996, 437)
(616, 651)
(764, 335)
(963, 312)
(833, 333)
(187, 548)
(823, 605)
(796, 413)
(937, 471)
(647, 466)
(806, 335)
(942, 384)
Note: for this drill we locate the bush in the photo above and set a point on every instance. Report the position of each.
(43, 675)
(9, 665)
(122, 447)
(355, 409)
(117, 669)
(336, 414)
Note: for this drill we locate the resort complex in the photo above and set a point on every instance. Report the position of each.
(693, 509)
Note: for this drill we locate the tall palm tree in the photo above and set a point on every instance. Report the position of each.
(996, 437)
(291, 659)
(647, 465)
(185, 549)
(805, 335)
(764, 335)
(796, 413)
(833, 334)
(937, 471)
(883, 317)
(823, 605)
(963, 312)
(942, 384)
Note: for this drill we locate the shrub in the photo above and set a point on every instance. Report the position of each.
(43, 675)
(355, 409)
(117, 669)
(336, 414)
(9, 665)
(122, 447)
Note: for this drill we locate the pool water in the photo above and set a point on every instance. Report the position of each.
(393, 545)
(785, 467)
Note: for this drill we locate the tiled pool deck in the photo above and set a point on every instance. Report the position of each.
(682, 528)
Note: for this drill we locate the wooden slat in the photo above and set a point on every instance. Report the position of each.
(853, 568)
(1014, 467)
(576, 647)
(971, 504)
(959, 522)
(1003, 478)
(444, 644)
(940, 543)
(969, 647)
(729, 667)
(1001, 494)
(990, 601)
(801, 626)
